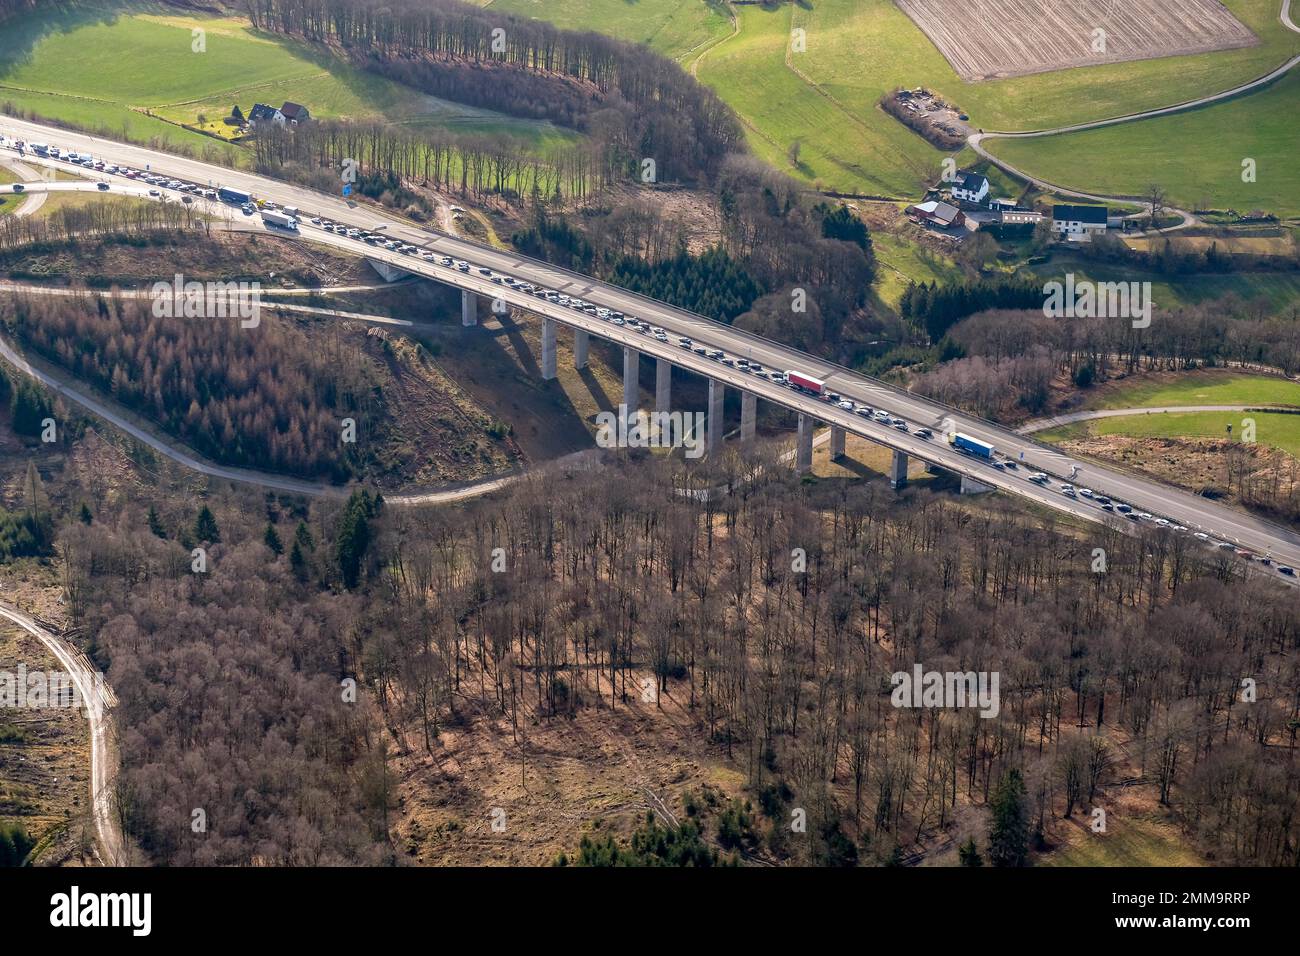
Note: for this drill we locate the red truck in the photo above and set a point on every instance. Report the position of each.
(806, 383)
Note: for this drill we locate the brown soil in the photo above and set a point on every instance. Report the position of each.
(553, 779)
(275, 262)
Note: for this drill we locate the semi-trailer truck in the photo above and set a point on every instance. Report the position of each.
(805, 383)
(235, 196)
(972, 446)
(280, 220)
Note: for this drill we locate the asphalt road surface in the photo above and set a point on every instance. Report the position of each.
(1144, 494)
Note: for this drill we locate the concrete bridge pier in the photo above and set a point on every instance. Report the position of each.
(581, 345)
(748, 417)
(548, 348)
(717, 391)
(898, 470)
(631, 380)
(663, 385)
(468, 308)
(837, 442)
(803, 445)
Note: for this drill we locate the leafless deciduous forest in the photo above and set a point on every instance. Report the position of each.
(611, 580)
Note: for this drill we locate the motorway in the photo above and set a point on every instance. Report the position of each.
(1144, 494)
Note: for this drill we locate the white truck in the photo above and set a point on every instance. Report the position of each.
(279, 220)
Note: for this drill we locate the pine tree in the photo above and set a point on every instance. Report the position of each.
(353, 539)
(85, 515)
(205, 527)
(302, 536)
(273, 540)
(1009, 836)
(30, 408)
(297, 561)
(155, 524)
(969, 855)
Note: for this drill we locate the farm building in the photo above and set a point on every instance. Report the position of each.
(1079, 223)
(970, 187)
(937, 213)
(295, 112)
(1014, 215)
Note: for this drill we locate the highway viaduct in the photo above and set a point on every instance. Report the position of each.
(1142, 492)
(664, 365)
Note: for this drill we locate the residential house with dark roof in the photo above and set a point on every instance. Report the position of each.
(1078, 223)
(970, 187)
(261, 113)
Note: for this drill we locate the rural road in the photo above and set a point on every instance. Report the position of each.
(31, 289)
(1042, 424)
(976, 140)
(36, 199)
(67, 387)
(97, 698)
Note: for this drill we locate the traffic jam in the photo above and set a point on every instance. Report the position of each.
(289, 218)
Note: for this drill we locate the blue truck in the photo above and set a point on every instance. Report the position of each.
(234, 196)
(972, 446)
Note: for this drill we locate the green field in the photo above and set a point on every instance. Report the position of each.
(8, 203)
(71, 66)
(1280, 290)
(1204, 388)
(900, 262)
(1138, 841)
(825, 99)
(675, 28)
(1123, 160)
(1272, 429)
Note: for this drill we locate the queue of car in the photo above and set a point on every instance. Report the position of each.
(618, 318)
(1109, 505)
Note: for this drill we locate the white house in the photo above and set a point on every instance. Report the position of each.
(261, 113)
(1079, 223)
(970, 187)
